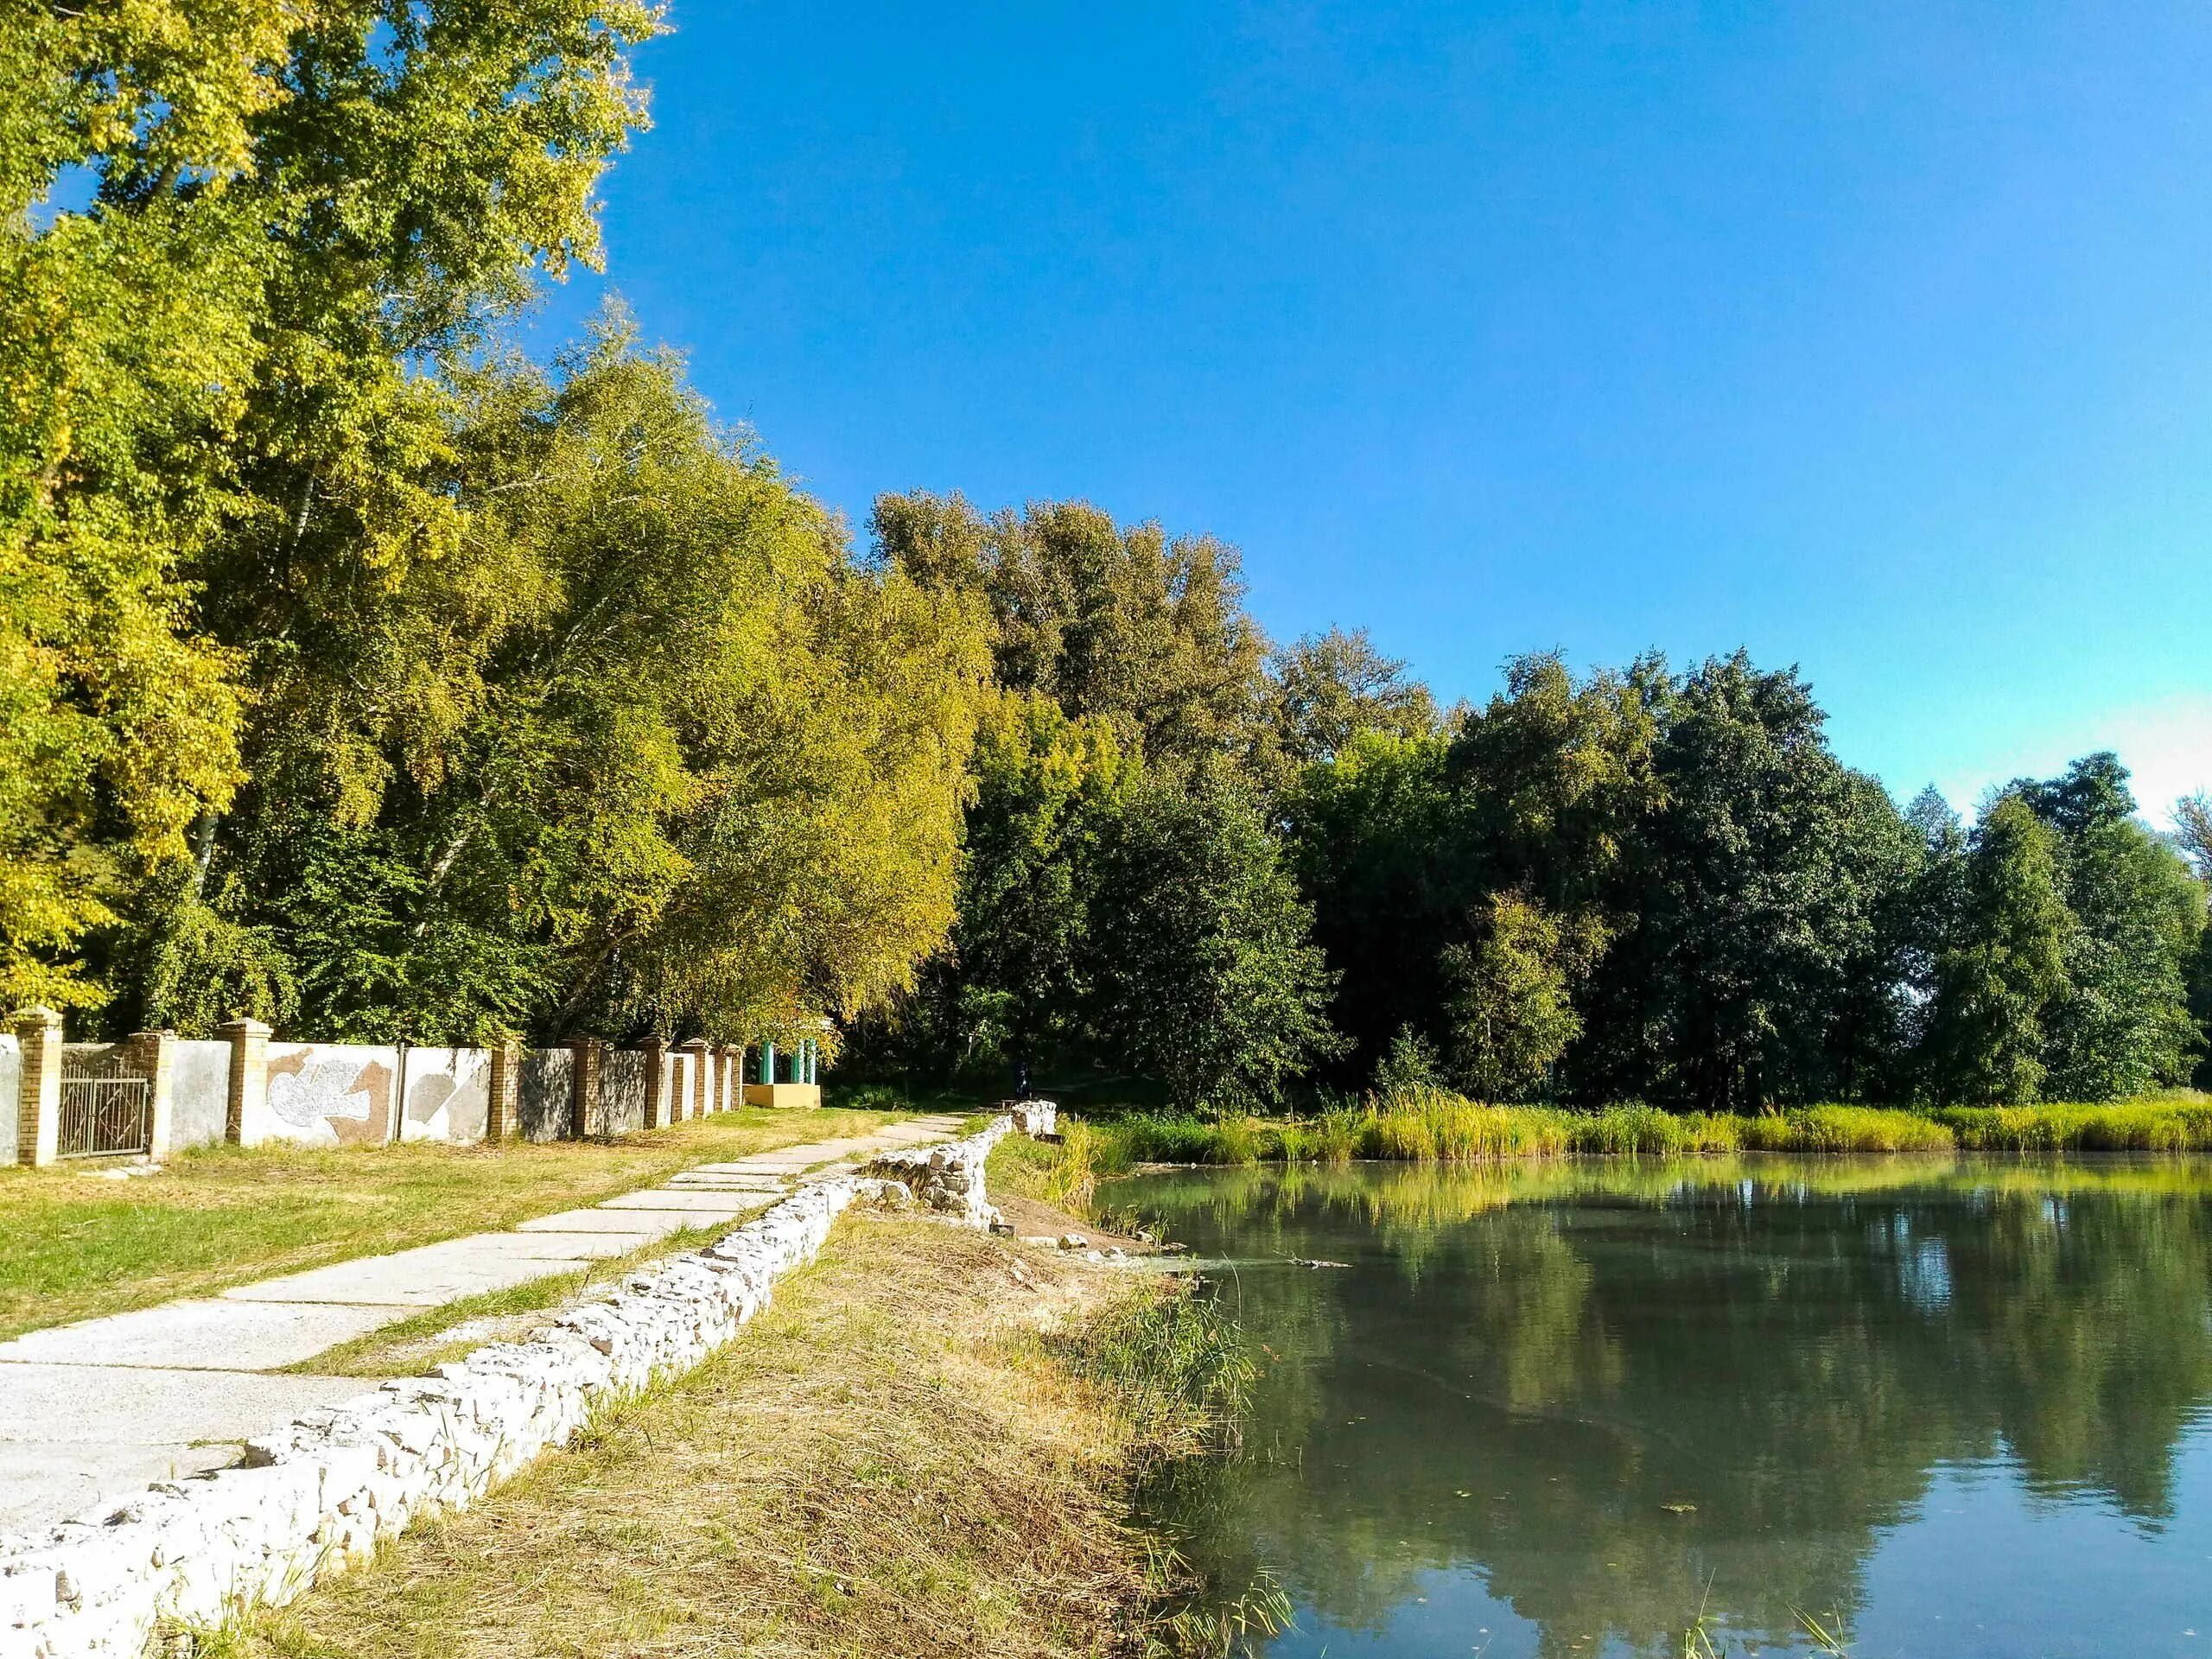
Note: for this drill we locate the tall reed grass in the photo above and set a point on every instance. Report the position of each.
(1428, 1125)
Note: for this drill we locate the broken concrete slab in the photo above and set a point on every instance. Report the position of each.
(72, 1434)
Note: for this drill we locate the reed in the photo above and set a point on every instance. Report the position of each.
(1425, 1124)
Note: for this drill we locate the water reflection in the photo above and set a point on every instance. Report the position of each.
(1558, 1409)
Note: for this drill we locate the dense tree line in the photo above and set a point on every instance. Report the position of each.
(355, 672)
(359, 673)
(1226, 871)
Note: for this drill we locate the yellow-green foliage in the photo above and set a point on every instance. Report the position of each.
(1429, 1125)
(1844, 1128)
(215, 307)
(2181, 1123)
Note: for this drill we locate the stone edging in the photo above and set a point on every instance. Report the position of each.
(311, 1499)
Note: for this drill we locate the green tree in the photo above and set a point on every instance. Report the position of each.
(1372, 835)
(701, 771)
(1511, 1007)
(1752, 903)
(1323, 690)
(1008, 989)
(2193, 830)
(1120, 623)
(1996, 978)
(220, 450)
(2123, 1025)
(1201, 971)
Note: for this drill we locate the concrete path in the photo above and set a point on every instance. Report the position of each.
(100, 1407)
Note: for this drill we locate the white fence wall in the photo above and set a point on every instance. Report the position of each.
(11, 1083)
(449, 1094)
(349, 1094)
(200, 1094)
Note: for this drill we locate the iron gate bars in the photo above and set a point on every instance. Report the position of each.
(107, 1110)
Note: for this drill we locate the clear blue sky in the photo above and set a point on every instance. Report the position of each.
(1876, 338)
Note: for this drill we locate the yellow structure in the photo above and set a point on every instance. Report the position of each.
(791, 1078)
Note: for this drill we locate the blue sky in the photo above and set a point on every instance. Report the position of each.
(1875, 338)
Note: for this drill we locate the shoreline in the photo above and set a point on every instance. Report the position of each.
(929, 1442)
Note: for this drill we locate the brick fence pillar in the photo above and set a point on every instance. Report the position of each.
(38, 1099)
(154, 1053)
(656, 1082)
(503, 1097)
(249, 1041)
(584, 1102)
(701, 1059)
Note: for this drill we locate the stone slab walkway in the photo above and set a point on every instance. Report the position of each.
(102, 1406)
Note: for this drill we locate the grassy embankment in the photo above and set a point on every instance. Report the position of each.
(1434, 1126)
(79, 1245)
(925, 1447)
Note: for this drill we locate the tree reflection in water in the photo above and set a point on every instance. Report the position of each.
(1618, 1391)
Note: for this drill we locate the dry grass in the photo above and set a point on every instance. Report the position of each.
(77, 1244)
(899, 1458)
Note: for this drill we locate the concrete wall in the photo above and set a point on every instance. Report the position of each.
(353, 1094)
(622, 1082)
(447, 1092)
(328, 1094)
(11, 1083)
(547, 1084)
(200, 1094)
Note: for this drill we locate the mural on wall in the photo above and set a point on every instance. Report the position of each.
(330, 1093)
(326, 1089)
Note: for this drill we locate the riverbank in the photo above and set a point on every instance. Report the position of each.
(925, 1446)
(1432, 1126)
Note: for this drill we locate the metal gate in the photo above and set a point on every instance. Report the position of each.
(107, 1110)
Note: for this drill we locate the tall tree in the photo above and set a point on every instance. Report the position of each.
(1202, 972)
(218, 432)
(2193, 830)
(1997, 979)
(2123, 1023)
(1325, 689)
(1757, 886)
(1373, 838)
(1120, 623)
(706, 773)
(1009, 992)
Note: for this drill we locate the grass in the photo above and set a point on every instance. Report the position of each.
(925, 1447)
(1434, 1126)
(79, 1245)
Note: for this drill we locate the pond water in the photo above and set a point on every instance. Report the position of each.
(1942, 1408)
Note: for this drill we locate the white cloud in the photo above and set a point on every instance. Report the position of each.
(2166, 745)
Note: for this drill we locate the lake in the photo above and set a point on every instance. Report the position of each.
(1943, 1407)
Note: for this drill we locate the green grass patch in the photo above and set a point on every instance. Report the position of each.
(79, 1245)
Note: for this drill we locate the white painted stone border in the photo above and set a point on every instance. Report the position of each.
(311, 1499)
